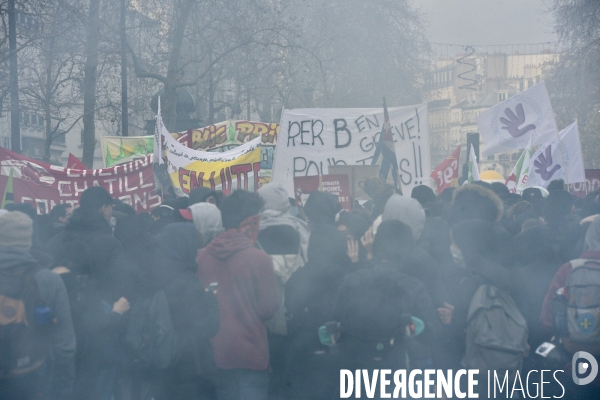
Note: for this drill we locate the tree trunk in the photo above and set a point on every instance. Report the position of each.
(169, 100)
(89, 84)
(15, 112)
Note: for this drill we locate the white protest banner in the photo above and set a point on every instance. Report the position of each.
(237, 168)
(558, 161)
(509, 125)
(311, 140)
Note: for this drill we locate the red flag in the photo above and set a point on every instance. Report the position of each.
(446, 174)
(75, 163)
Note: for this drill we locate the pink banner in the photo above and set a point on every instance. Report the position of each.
(44, 185)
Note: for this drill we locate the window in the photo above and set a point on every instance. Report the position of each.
(491, 158)
(501, 96)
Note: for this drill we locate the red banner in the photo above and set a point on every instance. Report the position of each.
(592, 183)
(75, 163)
(338, 185)
(446, 174)
(44, 185)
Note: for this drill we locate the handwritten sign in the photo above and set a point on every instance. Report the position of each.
(311, 140)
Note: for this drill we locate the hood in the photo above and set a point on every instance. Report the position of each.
(275, 197)
(207, 220)
(88, 221)
(178, 242)
(475, 202)
(13, 258)
(228, 243)
(406, 210)
(535, 243)
(328, 247)
(321, 208)
(592, 237)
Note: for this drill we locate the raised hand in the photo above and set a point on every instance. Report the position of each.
(514, 121)
(543, 162)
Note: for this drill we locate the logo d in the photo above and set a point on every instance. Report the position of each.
(583, 367)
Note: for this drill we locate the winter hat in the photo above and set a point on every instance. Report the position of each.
(16, 229)
(475, 202)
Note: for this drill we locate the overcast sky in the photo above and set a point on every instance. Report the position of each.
(487, 21)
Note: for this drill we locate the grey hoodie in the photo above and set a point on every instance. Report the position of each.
(60, 360)
(276, 213)
(406, 210)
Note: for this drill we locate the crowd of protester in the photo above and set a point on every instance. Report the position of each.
(248, 296)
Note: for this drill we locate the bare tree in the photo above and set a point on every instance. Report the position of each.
(575, 84)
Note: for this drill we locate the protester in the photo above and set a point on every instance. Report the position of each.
(247, 296)
(194, 313)
(309, 300)
(374, 307)
(321, 208)
(35, 316)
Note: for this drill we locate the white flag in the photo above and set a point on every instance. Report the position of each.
(517, 181)
(473, 168)
(511, 124)
(160, 131)
(558, 160)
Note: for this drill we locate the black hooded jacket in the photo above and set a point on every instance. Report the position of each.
(311, 291)
(195, 312)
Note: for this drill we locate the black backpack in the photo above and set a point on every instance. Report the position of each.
(150, 334)
(23, 318)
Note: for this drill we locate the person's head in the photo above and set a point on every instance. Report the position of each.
(61, 213)
(16, 231)
(25, 208)
(203, 195)
(423, 194)
(275, 196)
(557, 205)
(97, 199)
(557, 184)
(475, 202)
(406, 210)
(476, 239)
(241, 211)
(518, 209)
(321, 208)
(500, 189)
(394, 240)
(179, 242)
(327, 247)
(207, 220)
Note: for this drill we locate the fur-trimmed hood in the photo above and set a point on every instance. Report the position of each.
(474, 201)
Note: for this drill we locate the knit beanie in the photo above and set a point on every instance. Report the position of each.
(16, 229)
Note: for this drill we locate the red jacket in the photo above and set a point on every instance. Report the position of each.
(247, 296)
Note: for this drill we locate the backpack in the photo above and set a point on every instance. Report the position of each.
(150, 334)
(496, 331)
(582, 293)
(23, 317)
